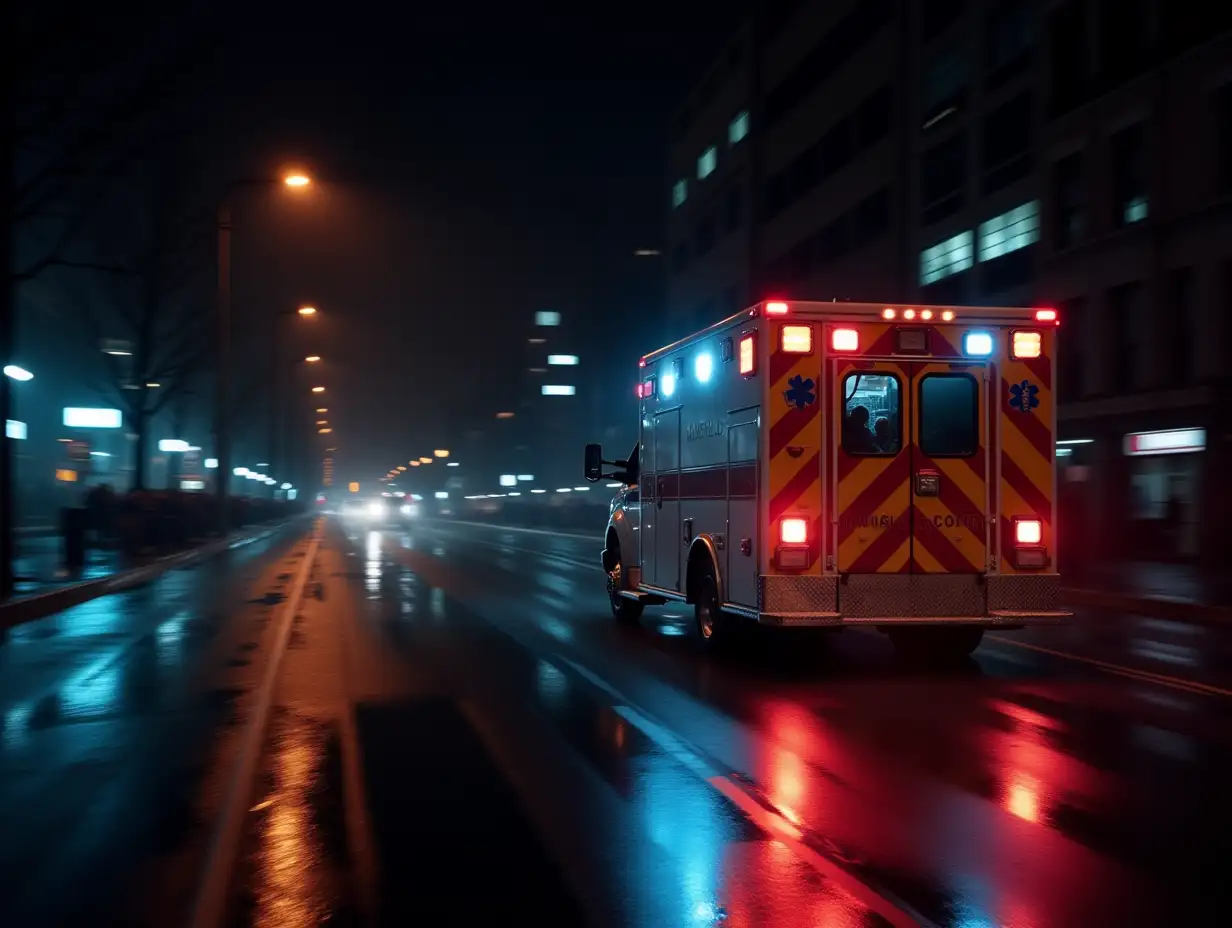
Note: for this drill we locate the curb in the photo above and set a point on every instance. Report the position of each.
(1157, 607)
(24, 609)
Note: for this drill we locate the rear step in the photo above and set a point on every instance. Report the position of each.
(646, 599)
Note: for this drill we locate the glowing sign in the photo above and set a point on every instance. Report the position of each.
(76, 417)
(1165, 441)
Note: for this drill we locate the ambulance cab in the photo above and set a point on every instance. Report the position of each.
(844, 464)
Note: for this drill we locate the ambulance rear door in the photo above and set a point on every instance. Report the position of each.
(910, 460)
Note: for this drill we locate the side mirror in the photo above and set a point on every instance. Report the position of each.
(594, 463)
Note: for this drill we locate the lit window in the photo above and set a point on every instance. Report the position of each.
(954, 255)
(738, 128)
(1135, 210)
(708, 161)
(1010, 231)
(680, 193)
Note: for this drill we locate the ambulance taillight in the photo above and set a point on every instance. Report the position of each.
(793, 531)
(1029, 551)
(793, 550)
(1028, 532)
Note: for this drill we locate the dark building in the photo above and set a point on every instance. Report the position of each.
(1073, 153)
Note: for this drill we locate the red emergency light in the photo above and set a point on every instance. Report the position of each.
(1047, 315)
(776, 308)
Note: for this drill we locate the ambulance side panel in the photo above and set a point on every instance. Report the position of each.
(702, 483)
(744, 441)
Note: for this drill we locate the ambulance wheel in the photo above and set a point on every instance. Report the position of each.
(946, 643)
(626, 611)
(715, 629)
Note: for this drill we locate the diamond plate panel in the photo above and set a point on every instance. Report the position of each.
(1025, 592)
(866, 595)
(796, 594)
(948, 595)
(911, 596)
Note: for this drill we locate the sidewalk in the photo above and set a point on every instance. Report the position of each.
(1177, 591)
(37, 566)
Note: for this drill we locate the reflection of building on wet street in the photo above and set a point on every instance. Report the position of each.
(425, 725)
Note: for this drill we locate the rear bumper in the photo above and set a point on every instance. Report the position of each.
(904, 599)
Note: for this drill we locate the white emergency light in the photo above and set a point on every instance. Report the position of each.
(977, 344)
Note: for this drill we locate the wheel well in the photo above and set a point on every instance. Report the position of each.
(700, 559)
(613, 540)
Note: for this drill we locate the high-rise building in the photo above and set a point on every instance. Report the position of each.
(996, 152)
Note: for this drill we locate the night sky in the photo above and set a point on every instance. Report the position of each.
(478, 166)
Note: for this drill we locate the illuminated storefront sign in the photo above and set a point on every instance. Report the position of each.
(1166, 441)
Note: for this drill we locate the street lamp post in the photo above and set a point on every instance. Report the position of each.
(222, 376)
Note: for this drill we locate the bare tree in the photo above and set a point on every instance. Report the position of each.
(79, 98)
(147, 301)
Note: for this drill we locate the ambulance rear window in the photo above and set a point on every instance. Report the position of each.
(872, 414)
(949, 415)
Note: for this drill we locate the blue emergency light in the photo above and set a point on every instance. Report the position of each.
(977, 344)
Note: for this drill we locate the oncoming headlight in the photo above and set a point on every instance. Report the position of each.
(406, 509)
(376, 509)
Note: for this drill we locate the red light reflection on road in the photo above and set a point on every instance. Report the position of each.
(768, 884)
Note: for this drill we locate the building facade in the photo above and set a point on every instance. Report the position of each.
(994, 152)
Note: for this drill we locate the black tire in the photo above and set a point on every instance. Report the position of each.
(715, 630)
(626, 611)
(937, 643)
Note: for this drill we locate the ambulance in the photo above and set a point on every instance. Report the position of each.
(844, 464)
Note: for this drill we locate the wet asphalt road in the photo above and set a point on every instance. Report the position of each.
(1073, 777)
(462, 735)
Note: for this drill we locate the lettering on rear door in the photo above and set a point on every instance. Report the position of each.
(707, 428)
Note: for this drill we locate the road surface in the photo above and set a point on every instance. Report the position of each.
(458, 733)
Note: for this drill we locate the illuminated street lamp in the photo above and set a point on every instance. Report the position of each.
(441, 453)
(425, 460)
(17, 373)
(313, 358)
(324, 431)
(296, 180)
(307, 310)
(322, 409)
(318, 389)
(322, 422)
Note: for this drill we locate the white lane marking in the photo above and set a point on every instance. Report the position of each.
(1188, 686)
(515, 528)
(360, 841)
(773, 823)
(210, 906)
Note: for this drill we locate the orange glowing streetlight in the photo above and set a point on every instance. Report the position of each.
(425, 460)
(297, 179)
(313, 358)
(322, 422)
(324, 431)
(307, 310)
(322, 409)
(318, 389)
(441, 453)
